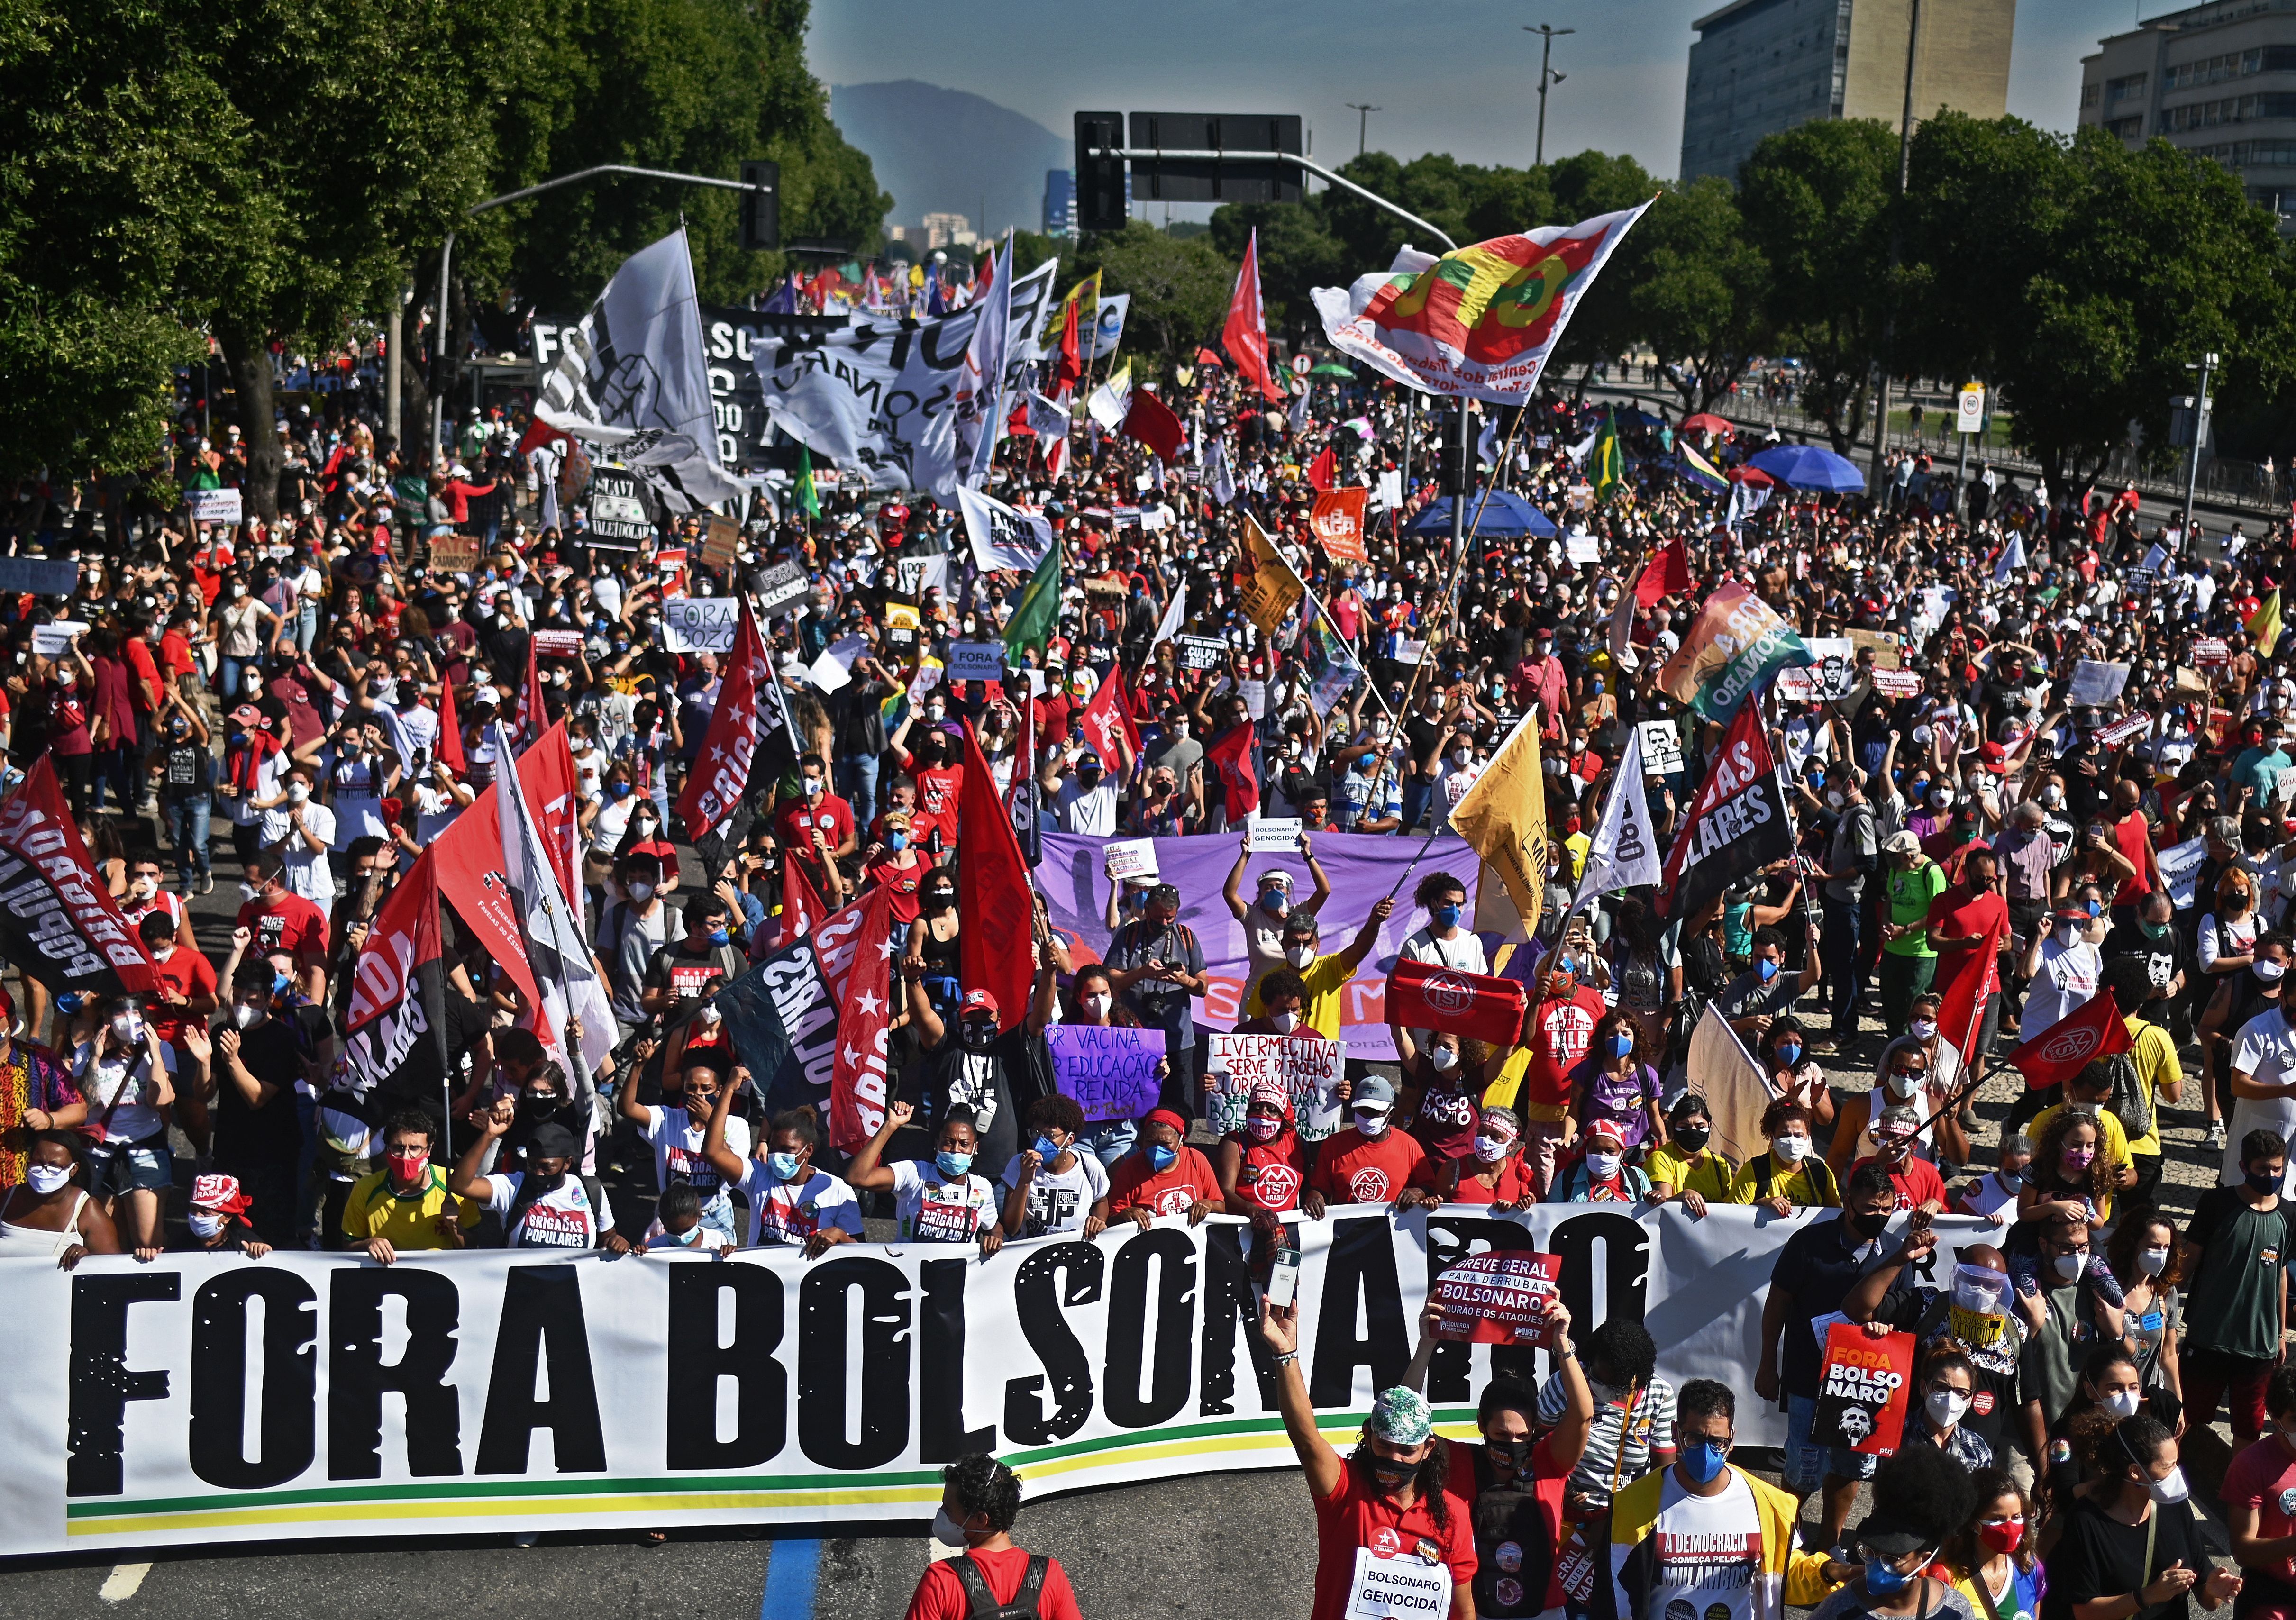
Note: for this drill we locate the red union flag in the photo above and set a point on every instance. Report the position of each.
(721, 773)
(1337, 521)
(2095, 1030)
(1108, 725)
(58, 923)
(1428, 995)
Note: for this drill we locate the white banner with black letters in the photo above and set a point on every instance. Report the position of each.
(210, 1400)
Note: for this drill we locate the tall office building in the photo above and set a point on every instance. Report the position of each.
(1761, 66)
(1060, 202)
(2219, 80)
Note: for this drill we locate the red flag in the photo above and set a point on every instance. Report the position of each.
(1150, 421)
(528, 722)
(855, 952)
(1205, 356)
(406, 933)
(1428, 995)
(721, 771)
(470, 858)
(545, 772)
(1244, 334)
(538, 433)
(61, 924)
(1108, 726)
(800, 906)
(996, 912)
(1324, 471)
(2095, 1030)
(1667, 574)
(1232, 754)
(1962, 994)
(1337, 519)
(450, 732)
(1070, 367)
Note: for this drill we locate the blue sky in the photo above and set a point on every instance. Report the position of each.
(1460, 78)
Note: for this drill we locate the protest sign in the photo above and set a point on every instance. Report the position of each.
(976, 661)
(828, 674)
(454, 554)
(1861, 1389)
(2180, 869)
(721, 541)
(1883, 643)
(1827, 680)
(1897, 683)
(1482, 1007)
(1132, 858)
(217, 506)
(1498, 1298)
(2120, 730)
(2210, 652)
(1662, 747)
(41, 576)
(1273, 835)
(1337, 519)
(54, 638)
(557, 643)
(2095, 681)
(912, 577)
(1581, 548)
(2283, 784)
(778, 586)
(1254, 694)
(1308, 1068)
(1110, 1071)
(1408, 651)
(700, 624)
(1201, 652)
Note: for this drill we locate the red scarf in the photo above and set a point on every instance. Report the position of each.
(247, 760)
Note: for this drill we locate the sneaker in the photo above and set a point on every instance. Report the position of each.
(2216, 1134)
(207, 883)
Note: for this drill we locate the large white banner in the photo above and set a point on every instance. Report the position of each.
(202, 1399)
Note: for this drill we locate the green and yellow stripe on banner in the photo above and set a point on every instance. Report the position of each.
(808, 1495)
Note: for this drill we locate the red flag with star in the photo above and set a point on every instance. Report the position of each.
(855, 948)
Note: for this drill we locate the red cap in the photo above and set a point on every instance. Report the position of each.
(978, 1001)
(1996, 758)
(221, 1194)
(247, 713)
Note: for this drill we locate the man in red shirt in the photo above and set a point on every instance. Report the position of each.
(980, 1500)
(1967, 919)
(1562, 1020)
(1371, 1162)
(1918, 1183)
(2132, 838)
(1387, 1524)
(186, 990)
(278, 921)
(817, 827)
(1163, 1175)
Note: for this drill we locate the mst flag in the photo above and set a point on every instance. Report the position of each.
(1231, 756)
(2094, 1030)
(1504, 816)
(721, 771)
(1624, 854)
(1737, 824)
(1428, 995)
(1480, 320)
(1738, 643)
(856, 956)
(1964, 991)
(399, 989)
(1337, 519)
(58, 923)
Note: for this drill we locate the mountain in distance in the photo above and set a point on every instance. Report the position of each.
(946, 152)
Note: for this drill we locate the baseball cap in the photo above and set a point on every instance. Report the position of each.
(1996, 758)
(552, 1140)
(220, 1193)
(247, 713)
(1902, 843)
(1372, 1089)
(978, 1001)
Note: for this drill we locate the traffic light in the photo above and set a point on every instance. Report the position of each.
(1217, 179)
(1102, 204)
(761, 209)
(1453, 463)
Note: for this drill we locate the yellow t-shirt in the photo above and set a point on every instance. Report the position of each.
(1326, 979)
(1811, 1186)
(2155, 1058)
(1709, 1178)
(409, 1222)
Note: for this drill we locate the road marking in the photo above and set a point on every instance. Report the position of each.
(791, 1570)
(123, 1582)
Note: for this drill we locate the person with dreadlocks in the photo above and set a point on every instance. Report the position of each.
(1388, 1524)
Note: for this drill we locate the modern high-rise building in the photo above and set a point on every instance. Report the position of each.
(2218, 79)
(1761, 66)
(1060, 202)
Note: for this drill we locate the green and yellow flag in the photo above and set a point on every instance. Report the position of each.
(2263, 625)
(1039, 611)
(1607, 467)
(808, 498)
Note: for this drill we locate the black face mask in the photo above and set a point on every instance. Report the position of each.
(1693, 1139)
(978, 1034)
(1516, 1452)
(1391, 1473)
(1868, 1226)
(542, 1186)
(2263, 1181)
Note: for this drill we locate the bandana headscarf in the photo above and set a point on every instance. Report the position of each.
(1401, 1417)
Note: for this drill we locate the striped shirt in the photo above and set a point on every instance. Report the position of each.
(1599, 1472)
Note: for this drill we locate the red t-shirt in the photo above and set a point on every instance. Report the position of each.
(1273, 1172)
(1917, 1182)
(1961, 914)
(1352, 1169)
(294, 925)
(1562, 1031)
(1163, 1192)
(938, 793)
(187, 973)
(1547, 1479)
(2258, 1478)
(940, 1595)
(795, 824)
(901, 883)
(2133, 837)
(1356, 1515)
(1514, 1185)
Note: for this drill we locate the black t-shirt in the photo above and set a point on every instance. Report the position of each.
(419, 1079)
(1817, 1267)
(269, 1136)
(2161, 957)
(2099, 1557)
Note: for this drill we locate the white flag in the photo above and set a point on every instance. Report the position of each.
(1299, 408)
(1487, 443)
(1112, 400)
(1625, 852)
(1175, 610)
(1107, 333)
(1218, 478)
(980, 394)
(1579, 452)
(632, 379)
(2012, 558)
(556, 949)
(1002, 537)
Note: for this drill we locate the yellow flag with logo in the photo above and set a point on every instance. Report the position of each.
(1269, 589)
(2263, 625)
(1504, 817)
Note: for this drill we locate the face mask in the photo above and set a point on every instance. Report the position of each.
(206, 1225)
(1274, 902)
(1869, 1226)
(1161, 1158)
(2263, 1181)
(1693, 1139)
(2170, 1491)
(1096, 1006)
(1789, 1148)
(2269, 971)
(2069, 1267)
(1946, 1406)
(1622, 1043)
(1766, 970)
(1885, 1580)
(1046, 1149)
(1301, 955)
(954, 1165)
(1443, 1059)
(1259, 1127)
(2002, 1536)
(406, 1167)
(2153, 1261)
(2096, 908)
(2079, 1159)
(718, 937)
(1490, 1150)
(1704, 1460)
(1372, 1122)
(243, 1016)
(1922, 1029)
(1835, 799)
(2121, 1402)
(897, 841)
(641, 892)
(815, 786)
(2068, 933)
(785, 1166)
(47, 1179)
(1446, 916)
(129, 1029)
(1602, 1166)
(947, 1530)
(1789, 1052)
(1284, 1022)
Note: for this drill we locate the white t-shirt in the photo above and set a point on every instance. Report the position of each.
(2265, 1050)
(677, 1143)
(115, 1076)
(790, 1212)
(308, 872)
(2065, 985)
(561, 1218)
(1058, 1201)
(1092, 813)
(1709, 1553)
(934, 1211)
(703, 1239)
(1463, 954)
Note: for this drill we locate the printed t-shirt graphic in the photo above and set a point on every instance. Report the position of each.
(1709, 1549)
(935, 1211)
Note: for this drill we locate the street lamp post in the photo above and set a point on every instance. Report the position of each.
(1548, 33)
(446, 251)
(2199, 421)
(1363, 112)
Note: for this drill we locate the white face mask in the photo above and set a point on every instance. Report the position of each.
(2069, 933)
(1443, 1059)
(1490, 1150)
(204, 1225)
(947, 1530)
(47, 1179)
(1372, 1122)
(1946, 1406)
(1922, 1029)
(2069, 1267)
(1602, 1166)
(2268, 971)
(1096, 1006)
(2153, 1261)
(1284, 1022)
(1301, 955)
(2121, 1402)
(2170, 1491)
(244, 1016)
(129, 1028)
(1789, 1148)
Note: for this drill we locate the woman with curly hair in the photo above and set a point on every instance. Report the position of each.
(2146, 1250)
(1615, 1082)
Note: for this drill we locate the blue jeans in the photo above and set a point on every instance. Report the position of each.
(307, 622)
(1805, 1462)
(856, 780)
(1417, 795)
(188, 831)
(1110, 1140)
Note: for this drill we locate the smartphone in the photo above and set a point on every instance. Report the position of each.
(1283, 1279)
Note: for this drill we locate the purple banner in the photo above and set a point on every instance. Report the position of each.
(1362, 868)
(1110, 1071)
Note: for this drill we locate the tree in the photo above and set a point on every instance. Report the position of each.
(1695, 288)
(1179, 288)
(1586, 186)
(1816, 201)
(1295, 255)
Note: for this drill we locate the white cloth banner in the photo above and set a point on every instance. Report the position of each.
(1107, 334)
(413, 1399)
(632, 377)
(1002, 537)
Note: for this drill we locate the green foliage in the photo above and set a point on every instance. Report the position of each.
(1180, 288)
(1695, 288)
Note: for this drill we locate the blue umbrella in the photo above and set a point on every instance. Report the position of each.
(1508, 515)
(1808, 467)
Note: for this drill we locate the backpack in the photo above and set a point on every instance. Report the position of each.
(2131, 1103)
(981, 1604)
(1820, 1174)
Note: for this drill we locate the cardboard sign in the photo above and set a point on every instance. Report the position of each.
(558, 643)
(1662, 747)
(2283, 784)
(778, 586)
(1863, 1390)
(1110, 1071)
(1131, 858)
(1390, 1585)
(1309, 1068)
(1482, 1007)
(1896, 683)
(1273, 835)
(976, 661)
(51, 641)
(1201, 651)
(1498, 1298)
(700, 624)
(1254, 694)
(217, 506)
(454, 554)
(2210, 652)
(2095, 683)
(2180, 869)
(1337, 520)
(1408, 651)
(721, 541)
(1884, 645)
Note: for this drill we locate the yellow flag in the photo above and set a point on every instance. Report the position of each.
(2263, 625)
(1086, 296)
(1504, 816)
(1270, 589)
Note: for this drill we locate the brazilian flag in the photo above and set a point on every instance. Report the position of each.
(1039, 611)
(1609, 470)
(808, 498)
